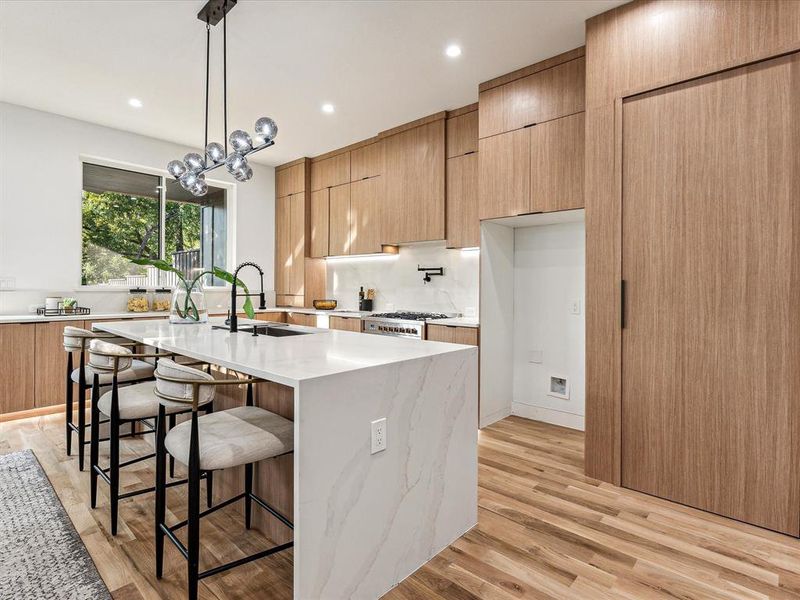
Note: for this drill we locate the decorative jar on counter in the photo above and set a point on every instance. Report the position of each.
(161, 299)
(137, 300)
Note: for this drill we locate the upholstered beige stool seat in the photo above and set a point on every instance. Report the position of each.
(138, 402)
(233, 437)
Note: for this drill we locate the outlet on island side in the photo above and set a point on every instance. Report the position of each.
(378, 435)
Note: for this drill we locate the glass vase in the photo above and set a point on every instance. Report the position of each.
(188, 305)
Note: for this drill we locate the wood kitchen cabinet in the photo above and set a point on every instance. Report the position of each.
(452, 334)
(557, 164)
(547, 94)
(415, 184)
(345, 323)
(339, 228)
(462, 134)
(366, 203)
(367, 161)
(17, 378)
(51, 362)
(290, 244)
(290, 180)
(463, 224)
(330, 172)
(318, 245)
(303, 319)
(504, 179)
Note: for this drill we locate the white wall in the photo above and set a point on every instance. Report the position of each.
(549, 277)
(40, 203)
(399, 285)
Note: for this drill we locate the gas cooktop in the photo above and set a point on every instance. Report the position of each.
(408, 315)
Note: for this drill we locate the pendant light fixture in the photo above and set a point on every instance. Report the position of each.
(190, 172)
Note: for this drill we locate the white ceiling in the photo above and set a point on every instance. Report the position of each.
(380, 63)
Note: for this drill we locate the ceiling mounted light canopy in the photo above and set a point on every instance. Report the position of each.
(190, 172)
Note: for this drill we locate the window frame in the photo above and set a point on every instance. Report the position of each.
(230, 215)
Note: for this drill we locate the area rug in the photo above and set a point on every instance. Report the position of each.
(41, 555)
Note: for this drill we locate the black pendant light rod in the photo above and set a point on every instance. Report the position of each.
(225, 71)
(208, 69)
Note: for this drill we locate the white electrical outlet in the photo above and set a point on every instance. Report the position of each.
(378, 435)
(469, 312)
(535, 356)
(575, 307)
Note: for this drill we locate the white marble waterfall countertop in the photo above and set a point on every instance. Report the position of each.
(32, 318)
(286, 360)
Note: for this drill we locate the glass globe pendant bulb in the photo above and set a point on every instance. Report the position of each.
(244, 174)
(200, 188)
(176, 168)
(266, 129)
(235, 162)
(240, 141)
(194, 161)
(215, 152)
(189, 179)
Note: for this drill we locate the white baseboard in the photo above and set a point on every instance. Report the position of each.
(498, 415)
(548, 415)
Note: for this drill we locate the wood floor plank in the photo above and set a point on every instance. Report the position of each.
(545, 531)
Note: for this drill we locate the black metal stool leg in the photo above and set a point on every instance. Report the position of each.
(69, 401)
(94, 442)
(113, 470)
(171, 458)
(248, 490)
(161, 490)
(193, 524)
(81, 421)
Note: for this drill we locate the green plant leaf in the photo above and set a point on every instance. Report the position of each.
(158, 263)
(228, 277)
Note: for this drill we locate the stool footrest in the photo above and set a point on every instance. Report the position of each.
(208, 511)
(245, 560)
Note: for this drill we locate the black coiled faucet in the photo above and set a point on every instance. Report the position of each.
(234, 320)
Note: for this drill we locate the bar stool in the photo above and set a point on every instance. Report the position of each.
(128, 404)
(75, 340)
(229, 438)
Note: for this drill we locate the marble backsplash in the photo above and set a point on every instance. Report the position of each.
(399, 285)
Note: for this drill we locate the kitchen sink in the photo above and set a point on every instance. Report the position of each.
(276, 330)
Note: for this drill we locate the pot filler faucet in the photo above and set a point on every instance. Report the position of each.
(234, 320)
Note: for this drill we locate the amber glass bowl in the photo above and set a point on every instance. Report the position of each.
(324, 304)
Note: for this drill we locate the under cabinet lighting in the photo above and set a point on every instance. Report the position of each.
(470, 250)
(362, 257)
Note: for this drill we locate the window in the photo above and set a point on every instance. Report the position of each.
(127, 215)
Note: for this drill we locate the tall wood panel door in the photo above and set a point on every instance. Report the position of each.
(339, 236)
(17, 377)
(711, 260)
(297, 240)
(51, 363)
(318, 245)
(366, 203)
(283, 244)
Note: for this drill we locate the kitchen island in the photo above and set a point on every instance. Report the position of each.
(362, 521)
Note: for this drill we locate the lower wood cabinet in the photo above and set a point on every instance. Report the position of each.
(51, 362)
(17, 364)
(453, 334)
(345, 323)
(279, 317)
(303, 319)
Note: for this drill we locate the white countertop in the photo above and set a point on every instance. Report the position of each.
(455, 322)
(286, 360)
(30, 318)
(316, 311)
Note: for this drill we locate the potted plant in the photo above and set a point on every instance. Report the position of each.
(188, 303)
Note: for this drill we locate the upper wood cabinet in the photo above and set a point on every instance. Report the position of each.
(339, 236)
(367, 199)
(318, 214)
(290, 244)
(415, 184)
(463, 224)
(17, 379)
(557, 164)
(297, 231)
(504, 175)
(544, 95)
(290, 179)
(329, 172)
(367, 161)
(462, 134)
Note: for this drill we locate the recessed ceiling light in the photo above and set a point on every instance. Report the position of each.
(453, 50)
(327, 108)
(135, 103)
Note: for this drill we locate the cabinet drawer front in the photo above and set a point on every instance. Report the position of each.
(345, 323)
(453, 335)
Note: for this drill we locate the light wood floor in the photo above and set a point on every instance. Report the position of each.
(545, 531)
